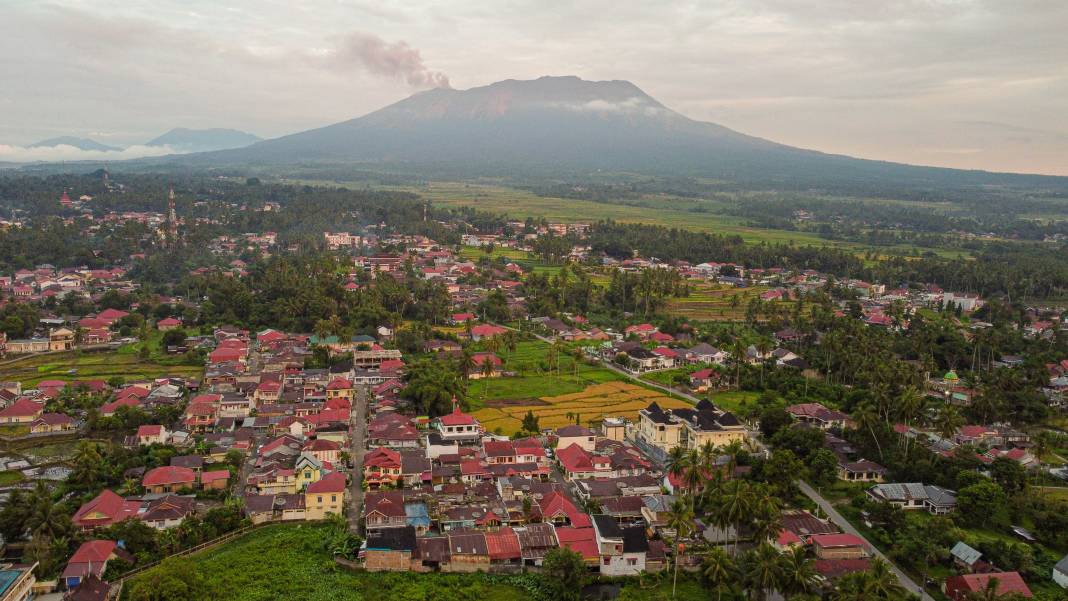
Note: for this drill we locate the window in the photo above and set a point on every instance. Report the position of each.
(632, 561)
(607, 559)
(319, 499)
(333, 498)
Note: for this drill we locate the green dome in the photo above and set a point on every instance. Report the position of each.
(950, 375)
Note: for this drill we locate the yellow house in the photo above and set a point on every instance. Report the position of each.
(325, 497)
(307, 470)
(61, 339)
(276, 481)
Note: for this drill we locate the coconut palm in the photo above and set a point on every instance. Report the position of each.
(948, 421)
(719, 571)
(762, 571)
(737, 503)
(884, 584)
(466, 364)
(732, 450)
(799, 574)
(766, 517)
(867, 418)
(677, 461)
(680, 519)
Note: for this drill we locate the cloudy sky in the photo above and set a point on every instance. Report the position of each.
(960, 83)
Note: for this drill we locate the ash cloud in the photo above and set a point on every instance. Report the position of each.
(390, 59)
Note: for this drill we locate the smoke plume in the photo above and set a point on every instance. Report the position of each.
(396, 59)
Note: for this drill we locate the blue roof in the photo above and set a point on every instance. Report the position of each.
(417, 514)
(7, 578)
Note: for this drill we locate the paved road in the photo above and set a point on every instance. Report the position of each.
(844, 524)
(358, 427)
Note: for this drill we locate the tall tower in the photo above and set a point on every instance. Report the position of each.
(105, 177)
(172, 219)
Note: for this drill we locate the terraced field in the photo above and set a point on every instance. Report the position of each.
(90, 366)
(610, 399)
(713, 302)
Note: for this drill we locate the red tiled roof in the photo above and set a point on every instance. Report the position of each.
(23, 408)
(958, 587)
(214, 475)
(457, 418)
(838, 540)
(169, 474)
(330, 483)
(503, 544)
(107, 503)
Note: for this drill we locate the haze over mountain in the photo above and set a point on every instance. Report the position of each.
(564, 124)
(200, 140)
(76, 142)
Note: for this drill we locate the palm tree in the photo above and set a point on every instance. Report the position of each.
(732, 450)
(737, 503)
(763, 346)
(487, 373)
(762, 571)
(867, 418)
(948, 421)
(467, 364)
(719, 570)
(738, 356)
(680, 519)
(677, 461)
(766, 518)
(694, 474)
(909, 405)
(799, 575)
(884, 584)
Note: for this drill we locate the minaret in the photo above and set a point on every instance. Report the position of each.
(172, 219)
(425, 203)
(105, 177)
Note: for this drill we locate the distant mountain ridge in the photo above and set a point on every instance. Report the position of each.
(561, 126)
(203, 140)
(76, 142)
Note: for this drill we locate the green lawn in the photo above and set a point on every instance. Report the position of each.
(10, 477)
(533, 379)
(14, 430)
(290, 562)
(94, 365)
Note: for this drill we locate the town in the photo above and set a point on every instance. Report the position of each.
(511, 398)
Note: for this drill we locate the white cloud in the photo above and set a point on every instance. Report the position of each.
(63, 152)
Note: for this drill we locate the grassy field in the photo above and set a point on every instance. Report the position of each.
(9, 477)
(14, 430)
(91, 366)
(533, 379)
(520, 204)
(529, 262)
(594, 403)
(291, 562)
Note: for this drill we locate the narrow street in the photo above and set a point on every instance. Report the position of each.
(844, 524)
(358, 428)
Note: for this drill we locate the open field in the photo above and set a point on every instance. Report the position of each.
(614, 399)
(533, 380)
(90, 366)
(529, 262)
(713, 302)
(520, 204)
(291, 562)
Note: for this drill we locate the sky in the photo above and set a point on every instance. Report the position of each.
(977, 84)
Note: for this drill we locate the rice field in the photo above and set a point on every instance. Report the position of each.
(102, 365)
(593, 404)
(713, 302)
